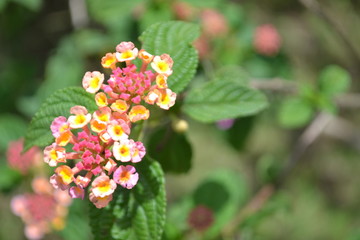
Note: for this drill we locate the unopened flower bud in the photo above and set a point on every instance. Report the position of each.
(180, 126)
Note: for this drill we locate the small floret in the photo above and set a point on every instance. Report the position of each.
(54, 154)
(103, 186)
(138, 112)
(126, 176)
(162, 64)
(109, 61)
(92, 81)
(81, 117)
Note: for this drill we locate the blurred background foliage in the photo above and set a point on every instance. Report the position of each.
(291, 172)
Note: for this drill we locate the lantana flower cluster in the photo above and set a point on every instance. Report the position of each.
(103, 155)
(43, 210)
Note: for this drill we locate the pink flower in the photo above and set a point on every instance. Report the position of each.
(138, 112)
(126, 51)
(101, 99)
(92, 81)
(267, 40)
(214, 23)
(41, 185)
(83, 182)
(63, 177)
(110, 166)
(22, 161)
(100, 202)
(35, 231)
(98, 126)
(41, 211)
(145, 56)
(123, 150)
(202, 45)
(126, 176)
(103, 143)
(54, 154)
(225, 124)
(201, 218)
(119, 106)
(118, 130)
(103, 186)
(57, 182)
(102, 114)
(139, 152)
(152, 96)
(162, 64)
(125, 46)
(109, 61)
(81, 117)
(77, 192)
(18, 205)
(183, 10)
(166, 98)
(58, 126)
(161, 81)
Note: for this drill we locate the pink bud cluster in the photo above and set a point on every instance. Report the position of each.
(22, 162)
(267, 40)
(43, 210)
(103, 154)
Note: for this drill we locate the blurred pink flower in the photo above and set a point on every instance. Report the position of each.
(202, 45)
(22, 161)
(225, 123)
(42, 210)
(201, 218)
(267, 40)
(183, 10)
(214, 23)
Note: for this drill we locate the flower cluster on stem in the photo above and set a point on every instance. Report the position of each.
(103, 154)
(43, 210)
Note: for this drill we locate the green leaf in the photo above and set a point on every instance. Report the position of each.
(295, 112)
(334, 80)
(233, 73)
(224, 192)
(12, 128)
(33, 5)
(217, 100)
(238, 134)
(77, 222)
(58, 104)
(174, 38)
(136, 214)
(3, 4)
(171, 149)
(8, 177)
